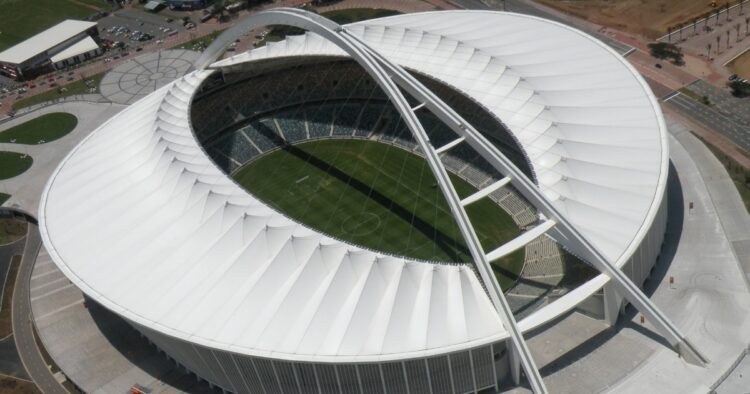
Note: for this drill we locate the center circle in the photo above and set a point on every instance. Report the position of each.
(361, 224)
(156, 75)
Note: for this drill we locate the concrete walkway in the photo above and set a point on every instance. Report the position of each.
(98, 350)
(23, 329)
(707, 251)
(710, 301)
(26, 189)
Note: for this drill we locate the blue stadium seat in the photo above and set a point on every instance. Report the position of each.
(263, 134)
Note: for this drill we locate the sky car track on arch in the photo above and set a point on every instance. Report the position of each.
(556, 219)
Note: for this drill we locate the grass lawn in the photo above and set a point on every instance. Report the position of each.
(695, 96)
(3, 198)
(71, 89)
(21, 19)
(352, 15)
(45, 128)
(377, 196)
(13, 164)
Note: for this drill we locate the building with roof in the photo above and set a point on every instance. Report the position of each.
(145, 218)
(67, 43)
(187, 4)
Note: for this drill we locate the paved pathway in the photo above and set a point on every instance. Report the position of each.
(695, 39)
(138, 77)
(26, 189)
(23, 330)
(97, 350)
(709, 300)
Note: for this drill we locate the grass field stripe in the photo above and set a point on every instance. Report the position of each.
(351, 176)
(411, 213)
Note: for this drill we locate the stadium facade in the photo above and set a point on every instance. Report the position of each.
(143, 217)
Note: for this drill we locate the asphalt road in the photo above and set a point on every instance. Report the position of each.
(23, 331)
(735, 108)
(712, 119)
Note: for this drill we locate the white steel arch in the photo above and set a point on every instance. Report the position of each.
(388, 75)
(375, 67)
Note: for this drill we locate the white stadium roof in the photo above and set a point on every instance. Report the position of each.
(142, 221)
(45, 40)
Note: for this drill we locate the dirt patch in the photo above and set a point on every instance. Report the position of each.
(741, 65)
(648, 17)
(11, 230)
(9, 385)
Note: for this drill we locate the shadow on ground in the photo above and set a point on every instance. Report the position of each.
(126, 340)
(627, 321)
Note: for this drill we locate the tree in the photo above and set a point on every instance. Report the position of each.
(726, 9)
(718, 44)
(664, 50)
(739, 88)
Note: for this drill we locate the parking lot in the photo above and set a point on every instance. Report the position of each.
(127, 25)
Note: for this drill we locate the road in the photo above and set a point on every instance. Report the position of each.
(735, 108)
(712, 119)
(23, 330)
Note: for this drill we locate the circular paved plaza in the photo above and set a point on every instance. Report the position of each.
(136, 78)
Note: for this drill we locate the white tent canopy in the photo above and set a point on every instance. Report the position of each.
(141, 220)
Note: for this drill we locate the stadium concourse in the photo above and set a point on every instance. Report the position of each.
(214, 214)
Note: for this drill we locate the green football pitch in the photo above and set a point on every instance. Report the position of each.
(377, 196)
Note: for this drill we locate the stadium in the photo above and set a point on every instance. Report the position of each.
(388, 206)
